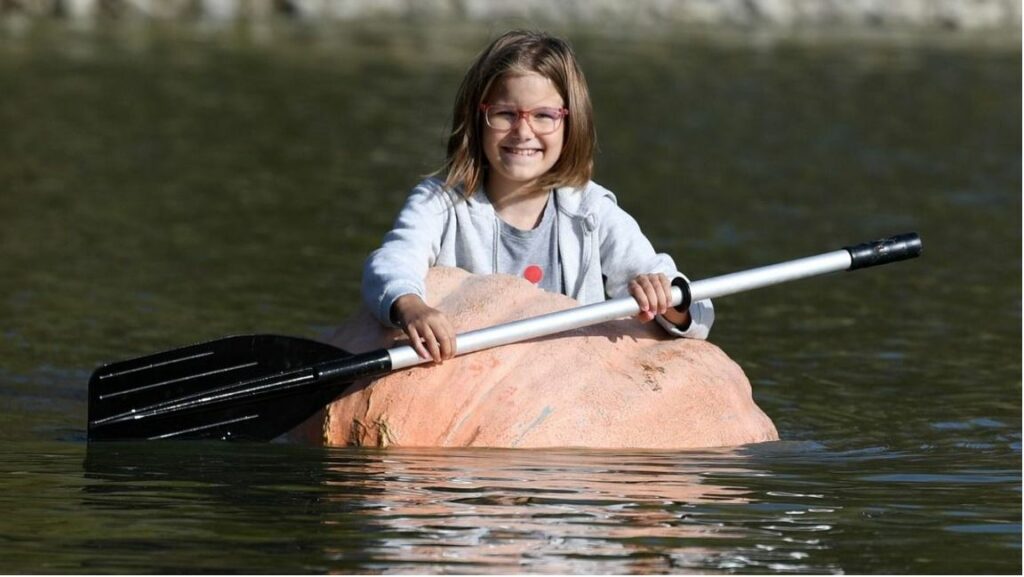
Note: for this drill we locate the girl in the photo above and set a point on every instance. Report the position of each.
(516, 198)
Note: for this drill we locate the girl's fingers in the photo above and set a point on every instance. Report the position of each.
(442, 337)
(431, 341)
(636, 289)
(447, 342)
(431, 335)
(653, 293)
(639, 292)
(416, 342)
(664, 293)
(423, 342)
(652, 296)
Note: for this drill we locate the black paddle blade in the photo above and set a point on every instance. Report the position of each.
(253, 387)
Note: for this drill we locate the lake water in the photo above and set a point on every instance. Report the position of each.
(160, 187)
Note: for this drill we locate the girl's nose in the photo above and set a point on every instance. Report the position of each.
(522, 127)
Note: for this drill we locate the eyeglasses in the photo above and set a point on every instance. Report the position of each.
(543, 120)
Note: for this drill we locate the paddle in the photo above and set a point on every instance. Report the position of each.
(257, 387)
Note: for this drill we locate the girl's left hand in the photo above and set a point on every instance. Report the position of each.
(653, 292)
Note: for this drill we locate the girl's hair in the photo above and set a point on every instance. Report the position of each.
(520, 52)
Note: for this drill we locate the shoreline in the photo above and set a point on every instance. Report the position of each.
(950, 17)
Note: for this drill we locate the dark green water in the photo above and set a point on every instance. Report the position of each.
(161, 187)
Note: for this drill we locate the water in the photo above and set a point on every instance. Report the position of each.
(164, 186)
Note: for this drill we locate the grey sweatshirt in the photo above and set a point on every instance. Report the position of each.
(601, 249)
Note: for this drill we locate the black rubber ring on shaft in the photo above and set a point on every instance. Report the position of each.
(684, 305)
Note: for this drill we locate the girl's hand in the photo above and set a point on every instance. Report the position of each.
(653, 292)
(430, 333)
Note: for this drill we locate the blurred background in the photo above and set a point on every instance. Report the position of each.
(175, 171)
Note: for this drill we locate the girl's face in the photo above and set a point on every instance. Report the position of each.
(518, 156)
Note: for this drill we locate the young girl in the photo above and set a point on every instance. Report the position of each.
(516, 198)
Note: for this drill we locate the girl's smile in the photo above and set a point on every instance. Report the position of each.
(523, 152)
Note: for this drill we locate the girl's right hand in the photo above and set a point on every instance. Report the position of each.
(429, 331)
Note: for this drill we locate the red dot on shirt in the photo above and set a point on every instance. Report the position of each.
(533, 273)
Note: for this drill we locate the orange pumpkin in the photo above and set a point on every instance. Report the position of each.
(621, 384)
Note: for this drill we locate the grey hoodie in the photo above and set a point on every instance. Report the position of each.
(600, 247)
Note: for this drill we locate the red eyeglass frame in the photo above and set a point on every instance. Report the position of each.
(523, 114)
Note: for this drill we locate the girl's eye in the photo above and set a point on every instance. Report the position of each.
(504, 114)
(546, 114)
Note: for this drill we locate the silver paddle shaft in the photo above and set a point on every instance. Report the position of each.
(584, 316)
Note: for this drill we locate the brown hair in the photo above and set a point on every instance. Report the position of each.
(520, 51)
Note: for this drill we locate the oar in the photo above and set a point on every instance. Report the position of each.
(257, 387)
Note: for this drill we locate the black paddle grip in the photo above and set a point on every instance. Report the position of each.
(684, 305)
(884, 251)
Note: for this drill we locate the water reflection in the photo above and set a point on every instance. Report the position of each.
(480, 511)
(783, 507)
(550, 512)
